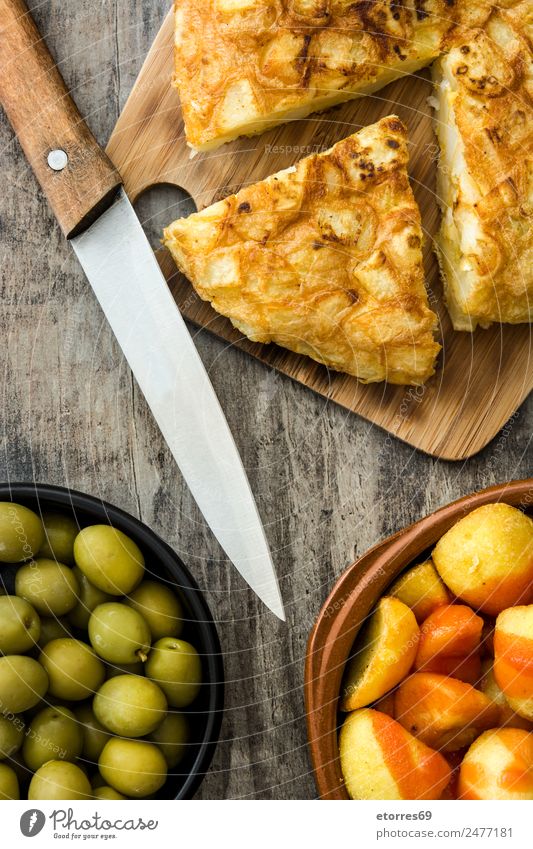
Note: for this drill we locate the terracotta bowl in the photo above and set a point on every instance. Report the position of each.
(346, 608)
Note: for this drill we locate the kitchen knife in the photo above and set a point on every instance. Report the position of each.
(85, 193)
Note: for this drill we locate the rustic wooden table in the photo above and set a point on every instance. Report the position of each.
(328, 484)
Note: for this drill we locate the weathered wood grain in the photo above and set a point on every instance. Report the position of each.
(328, 483)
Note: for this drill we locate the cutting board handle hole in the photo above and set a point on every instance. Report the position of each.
(157, 206)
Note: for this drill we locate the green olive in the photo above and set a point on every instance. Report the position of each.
(159, 606)
(133, 767)
(130, 706)
(118, 633)
(115, 669)
(54, 734)
(59, 780)
(23, 683)
(172, 737)
(51, 587)
(175, 665)
(11, 735)
(89, 597)
(53, 629)
(21, 533)
(94, 734)
(60, 532)
(107, 794)
(9, 785)
(75, 672)
(110, 559)
(20, 626)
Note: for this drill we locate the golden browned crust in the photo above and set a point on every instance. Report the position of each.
(485, 128)
(324, 259)
(244, 65)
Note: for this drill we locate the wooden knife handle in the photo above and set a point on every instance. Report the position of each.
(48, 125)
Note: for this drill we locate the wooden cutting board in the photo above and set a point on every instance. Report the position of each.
(481, 378)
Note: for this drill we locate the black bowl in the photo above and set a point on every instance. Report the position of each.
(206, 712)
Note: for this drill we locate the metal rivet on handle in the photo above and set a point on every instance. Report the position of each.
(57, 160)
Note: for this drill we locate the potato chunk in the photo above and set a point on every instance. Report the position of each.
(443, 712)
(449, 643)
(499, 765)
(381, 760)
(421, 589)
(383, 655)
(487, 558)
(513, 658)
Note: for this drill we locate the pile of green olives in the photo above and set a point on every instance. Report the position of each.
(94, 674)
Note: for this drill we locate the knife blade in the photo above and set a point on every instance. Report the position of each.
(97, 217)
(133, 293)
